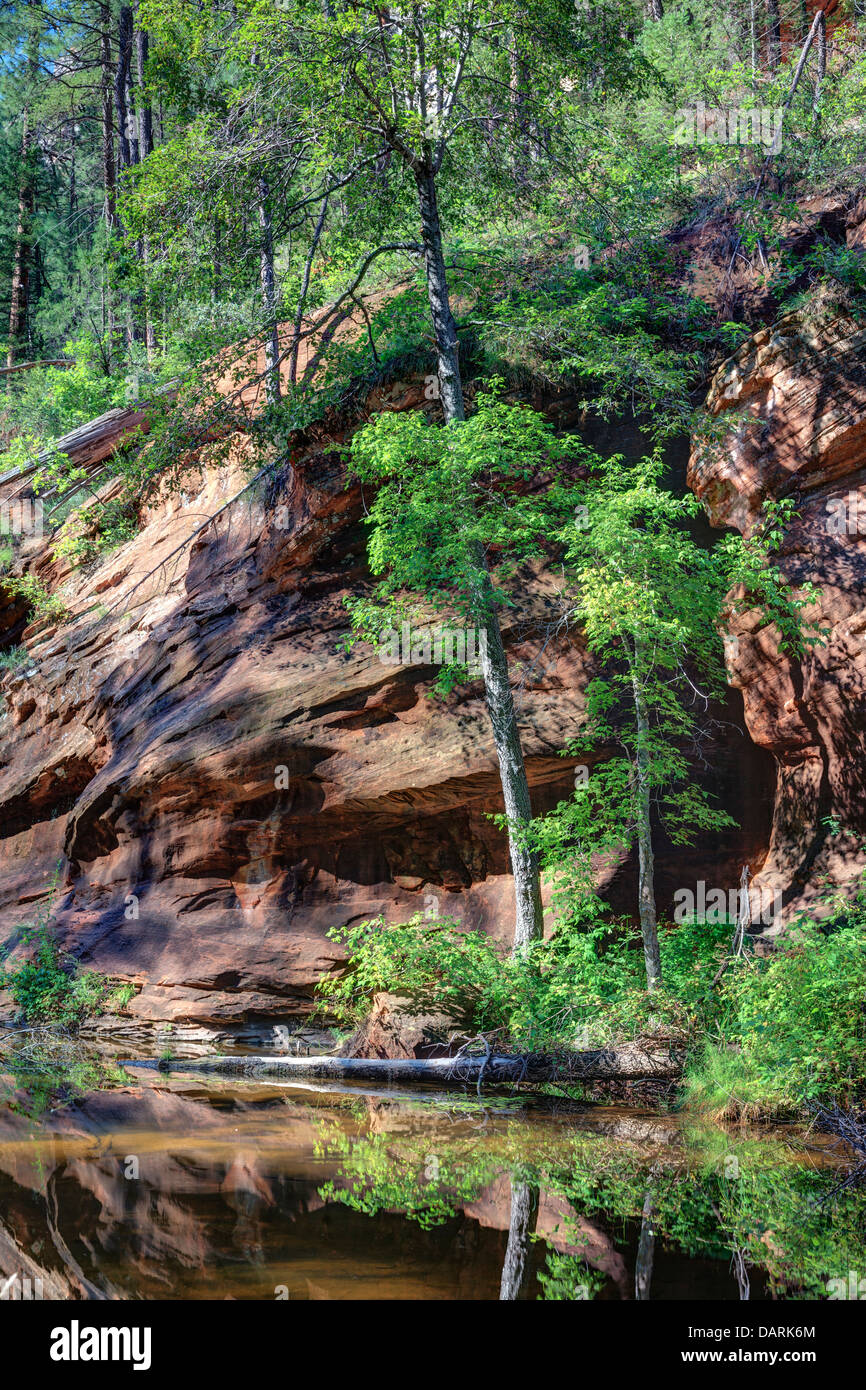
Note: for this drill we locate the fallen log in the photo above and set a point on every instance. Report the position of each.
(90, 444)
(629, 1062)
(46, 362)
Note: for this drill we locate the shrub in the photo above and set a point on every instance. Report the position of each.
(579, 989)
(51, 988)
(13, 658)
(39, 598)
(434, 964)
(795, 1025)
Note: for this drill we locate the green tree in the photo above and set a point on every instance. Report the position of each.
(445, 496)
(651, 603)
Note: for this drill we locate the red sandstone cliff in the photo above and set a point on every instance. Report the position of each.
(146, 744)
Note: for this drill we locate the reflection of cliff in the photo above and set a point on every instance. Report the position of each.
(154, 1192)
(155, 1195)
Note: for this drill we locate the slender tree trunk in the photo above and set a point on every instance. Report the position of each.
(822, 63)
(131, 112)
(302, 297)
(521, 1226)
(19, 300)
(217, 280)
(73, 193)
(444, 328)
(646, 867)
(108, 170)
(657, 9)
(121, 84)
(529, 915)
(22, 255)
(519, 123)
(774, 35)
(145, 147)
(269, 295)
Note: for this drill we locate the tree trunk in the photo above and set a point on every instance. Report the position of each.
(657, 9)
(217, 278)
(519, 124)
(145, 114)
(19, 301)
(302, 297)
(628, 1062)
(521, 1225)
(269, 296)
(528, 910)
(646, 869)
(108, 170)
(774, 35)
(444, 328)
(121, 84)
(145, 147)
(529, 915)
(822, 63)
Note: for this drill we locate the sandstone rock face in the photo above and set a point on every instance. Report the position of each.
(794, 401)
(217, 783)
(395, 1028)
(220, 783)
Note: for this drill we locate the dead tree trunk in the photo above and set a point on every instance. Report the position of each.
(628, 1062)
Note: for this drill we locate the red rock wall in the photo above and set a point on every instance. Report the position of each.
(794, 402)
(143, 740)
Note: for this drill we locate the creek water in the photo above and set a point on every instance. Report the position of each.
(128, 1184)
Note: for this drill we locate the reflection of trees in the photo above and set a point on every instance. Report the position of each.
(769, 1217)
(71, 1217)
(646, 1248)
(521, 1225)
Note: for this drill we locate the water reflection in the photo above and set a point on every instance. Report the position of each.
(165, 1188)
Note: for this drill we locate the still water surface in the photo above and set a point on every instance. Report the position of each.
(156, 1187)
